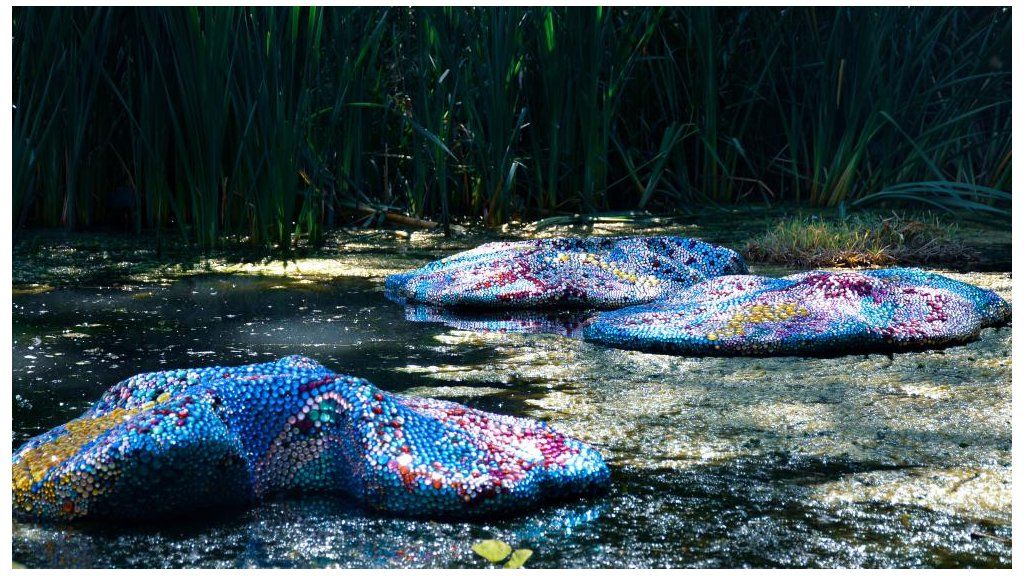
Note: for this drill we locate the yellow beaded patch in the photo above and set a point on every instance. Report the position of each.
(34, 465)
(759, 314)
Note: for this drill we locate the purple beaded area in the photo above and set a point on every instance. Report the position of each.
(564, 273)
(181, 442)
(808, 313)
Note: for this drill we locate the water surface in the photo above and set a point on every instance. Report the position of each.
(872, 461)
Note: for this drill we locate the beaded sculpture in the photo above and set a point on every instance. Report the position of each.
(183, 441)
(564, 273)
(811, 313)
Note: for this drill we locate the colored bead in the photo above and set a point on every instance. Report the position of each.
(808, 313)
(231, 436)
(564, 273)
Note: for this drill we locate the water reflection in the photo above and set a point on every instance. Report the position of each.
(747, 512)
(565, 323)
(282, 533)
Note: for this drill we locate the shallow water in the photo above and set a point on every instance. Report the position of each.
(871, 461)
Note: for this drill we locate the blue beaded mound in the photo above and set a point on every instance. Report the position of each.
(181, 442)
(564, 273)
(810, 313)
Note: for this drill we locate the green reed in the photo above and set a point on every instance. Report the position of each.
(269, 125)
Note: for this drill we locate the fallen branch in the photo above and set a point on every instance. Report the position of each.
(389, 215)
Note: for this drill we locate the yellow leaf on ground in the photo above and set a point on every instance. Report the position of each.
(519, 557)
(493, 550)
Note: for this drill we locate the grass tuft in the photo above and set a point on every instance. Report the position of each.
(861, 241)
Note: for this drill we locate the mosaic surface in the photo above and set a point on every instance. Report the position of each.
(565, 273)
(182, 441)
(808, 313)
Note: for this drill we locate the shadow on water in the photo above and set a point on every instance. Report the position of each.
(754, 504)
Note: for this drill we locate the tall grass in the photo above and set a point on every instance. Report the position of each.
(270, 124)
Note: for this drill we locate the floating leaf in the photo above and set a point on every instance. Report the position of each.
(519, 557)
(493, 550)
